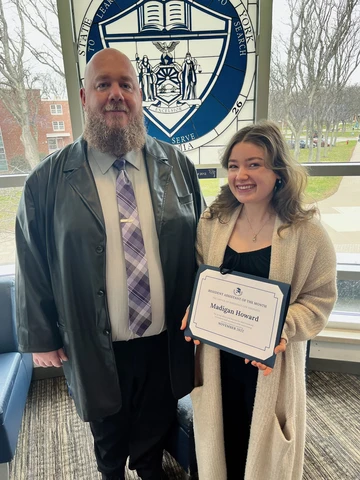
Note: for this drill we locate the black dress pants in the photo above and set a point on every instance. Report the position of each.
(238, 387)
(148, 409)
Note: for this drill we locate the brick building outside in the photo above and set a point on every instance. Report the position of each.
(52, 121)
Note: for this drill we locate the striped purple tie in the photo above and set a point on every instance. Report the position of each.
(134, 251)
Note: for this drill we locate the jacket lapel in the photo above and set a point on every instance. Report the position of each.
(159, 174)
(78, 174)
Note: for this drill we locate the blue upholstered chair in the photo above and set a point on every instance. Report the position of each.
(15, 376)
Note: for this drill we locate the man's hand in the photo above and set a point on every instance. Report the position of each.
(50, 359)
(265, 369)
(183, 326)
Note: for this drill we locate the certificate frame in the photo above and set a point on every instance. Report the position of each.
(234, 321)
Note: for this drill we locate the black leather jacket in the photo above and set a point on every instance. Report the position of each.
(61, 278)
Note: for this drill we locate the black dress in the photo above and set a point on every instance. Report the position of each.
(238, 380)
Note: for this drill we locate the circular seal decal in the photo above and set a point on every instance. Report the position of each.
(195, 60)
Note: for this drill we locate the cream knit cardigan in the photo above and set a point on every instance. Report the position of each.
(304, 257)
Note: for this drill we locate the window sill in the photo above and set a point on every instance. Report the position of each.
(336, 335)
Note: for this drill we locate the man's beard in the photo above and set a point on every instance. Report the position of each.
(114, 139)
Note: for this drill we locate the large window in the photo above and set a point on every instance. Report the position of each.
(30, 40)
(315, 75)
(315, 98)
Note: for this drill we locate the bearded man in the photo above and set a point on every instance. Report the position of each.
(105, 237)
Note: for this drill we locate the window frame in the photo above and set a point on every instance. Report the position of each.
(51, 139)
(56, 106)
(58, 122)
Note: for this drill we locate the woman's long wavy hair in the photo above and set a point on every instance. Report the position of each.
(287, 200)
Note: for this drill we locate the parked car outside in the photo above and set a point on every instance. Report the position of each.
(315, 140)
(303, 143)
(291, 143)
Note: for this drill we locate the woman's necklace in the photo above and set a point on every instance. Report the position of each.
(257, 233)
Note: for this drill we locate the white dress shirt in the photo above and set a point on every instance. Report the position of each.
(105, 175)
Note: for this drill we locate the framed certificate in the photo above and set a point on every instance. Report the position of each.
(240, 313)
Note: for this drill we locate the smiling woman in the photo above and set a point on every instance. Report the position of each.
(255, 218)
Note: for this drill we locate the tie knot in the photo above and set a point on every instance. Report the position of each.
(120, 163)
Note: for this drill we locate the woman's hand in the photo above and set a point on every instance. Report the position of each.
(184, 324)
(264, 368)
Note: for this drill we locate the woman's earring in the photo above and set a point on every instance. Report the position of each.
(278, 184)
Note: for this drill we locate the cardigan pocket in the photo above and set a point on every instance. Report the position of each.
(284, 431)
(283, 448)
